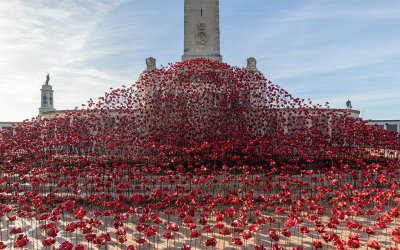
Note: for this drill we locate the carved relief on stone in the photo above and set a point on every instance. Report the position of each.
(201, 26)
(201, 36)
(150, 63)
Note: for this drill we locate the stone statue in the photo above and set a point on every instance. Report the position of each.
(251, 64)
(150, 64)
(47, 79)
(348, 104)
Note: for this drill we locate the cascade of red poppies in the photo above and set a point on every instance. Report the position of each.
(202, 154)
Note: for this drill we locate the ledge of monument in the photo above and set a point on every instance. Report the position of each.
(211, 57)
(46, 87)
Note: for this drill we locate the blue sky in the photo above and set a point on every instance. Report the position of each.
(326, 50)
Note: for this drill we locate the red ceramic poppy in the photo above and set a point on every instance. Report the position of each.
(211, 242)
(373, 244)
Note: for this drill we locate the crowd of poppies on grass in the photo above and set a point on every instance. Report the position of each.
(198, 155)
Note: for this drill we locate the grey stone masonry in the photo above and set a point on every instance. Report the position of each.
(150, 64)
(46, 98)
(201, 35)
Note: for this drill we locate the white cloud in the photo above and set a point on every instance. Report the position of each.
(49, 36)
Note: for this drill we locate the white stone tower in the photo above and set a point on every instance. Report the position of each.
(202, 30)
(47, 102)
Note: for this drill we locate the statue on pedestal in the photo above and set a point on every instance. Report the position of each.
(47, 79)
(348, 105)
(252, 64)
(150, 64)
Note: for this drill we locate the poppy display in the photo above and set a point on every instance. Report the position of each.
(200, 154)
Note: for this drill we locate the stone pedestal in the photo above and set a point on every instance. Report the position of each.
(47, 102)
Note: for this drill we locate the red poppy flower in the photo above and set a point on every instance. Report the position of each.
(195, 234)
(16, 231)
(353, 236)
(369, 230)
(304, 230)
(21, 241)
(87, 230)
(140, 240)
(168, 212)
(184, 247)
(394, 231)
(150, 231)
(260, 247)
(272, 234)
(211, 242)
(172, 227)
(369, 212)
(260, 220)
(280, 210)
(43, 217)
(289, 223)
(66, 245)
(396, 239)
(168, 235)
(188, 219)
(90, 237)
(246, 234)
(373, 244)
(80, 247)
(219, 225)
(120, 232)
(317, 244)
(230, 211)
(236, 241)
(48, 242)
(100, 241)
(224, 231)
(208, 229)
(286, 232)
(380, 225)
(140, 228)
(327, 237)
(53, 232)
(122, 239)
(353, 243)
(254, 228)
(13, 218)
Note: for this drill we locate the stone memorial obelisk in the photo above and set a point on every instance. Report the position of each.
(201, 35)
